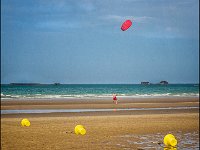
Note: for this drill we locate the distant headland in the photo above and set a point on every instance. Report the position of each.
(25, 84)
(28, 84)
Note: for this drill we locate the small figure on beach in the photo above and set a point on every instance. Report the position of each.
(115, 98)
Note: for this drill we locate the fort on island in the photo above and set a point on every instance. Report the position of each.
(163, 82)
(145, 83)
(148, 83)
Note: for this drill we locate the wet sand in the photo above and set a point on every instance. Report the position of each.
(105, 130)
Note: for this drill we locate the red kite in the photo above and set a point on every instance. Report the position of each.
(126, 25)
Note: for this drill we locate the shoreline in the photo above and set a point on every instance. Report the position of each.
(100, 103)
(99, 97)
(114, 130)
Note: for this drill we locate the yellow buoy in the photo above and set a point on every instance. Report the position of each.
(171, 148)
(170, 140)
(25, 122)
(79, 129)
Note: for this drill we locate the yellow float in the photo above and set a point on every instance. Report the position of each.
(170, 140)
(25, 122)
(79, 129)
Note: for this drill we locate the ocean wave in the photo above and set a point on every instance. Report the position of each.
(41, 96)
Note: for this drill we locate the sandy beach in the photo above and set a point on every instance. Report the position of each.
(65, 63)
(132, 129)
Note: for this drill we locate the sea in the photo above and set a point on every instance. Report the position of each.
(64, 91)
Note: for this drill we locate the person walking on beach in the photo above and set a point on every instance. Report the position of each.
(115, 98)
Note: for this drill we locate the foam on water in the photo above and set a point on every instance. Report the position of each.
(40, 96)
(97, 90)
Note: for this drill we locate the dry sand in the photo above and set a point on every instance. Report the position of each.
(105, 130)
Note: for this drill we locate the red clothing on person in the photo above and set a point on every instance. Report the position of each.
(114, 98)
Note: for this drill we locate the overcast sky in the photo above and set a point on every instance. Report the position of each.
(80, 41)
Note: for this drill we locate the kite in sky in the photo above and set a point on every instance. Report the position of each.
(126, 25)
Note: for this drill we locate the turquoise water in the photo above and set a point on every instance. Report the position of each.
(97, 90)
